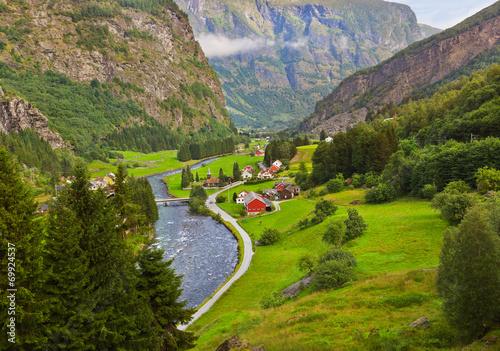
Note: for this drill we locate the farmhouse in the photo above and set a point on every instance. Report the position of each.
(281, 185)
(241, 197)
(270, 194)
(265, 175)
(255, 203)
(286, 193)
(246, 174)
(259, 153)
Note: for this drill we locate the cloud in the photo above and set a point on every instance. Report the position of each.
(297, 43)
(217, 45)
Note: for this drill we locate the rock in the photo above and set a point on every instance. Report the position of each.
(355, 202)
(419, 322)
(18, 114)
(235, 344)
(296, 288)
(296, 317)
(1, 91)
(490, 194)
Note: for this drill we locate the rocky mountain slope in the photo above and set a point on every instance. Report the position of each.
(141, 51)
(17, 114)
(276, 58)
(410, 70)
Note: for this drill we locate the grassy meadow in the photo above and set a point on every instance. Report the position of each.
(226, 163)
(403, 237)
(304, 154)
(164, 161)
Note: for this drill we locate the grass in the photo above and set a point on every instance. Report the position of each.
(232, 208)
(304, 154)
(226, 163)
(402, 237)
(164, 161)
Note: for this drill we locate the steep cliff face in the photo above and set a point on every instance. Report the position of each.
(151, 54)
(17, 114)
(294, 52)
(410, 70)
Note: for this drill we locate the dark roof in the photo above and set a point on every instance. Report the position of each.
(268, 203)
(274, 191)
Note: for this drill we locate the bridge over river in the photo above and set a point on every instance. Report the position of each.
(172, 199)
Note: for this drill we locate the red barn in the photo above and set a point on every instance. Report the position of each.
(259, 153)
(254, 203)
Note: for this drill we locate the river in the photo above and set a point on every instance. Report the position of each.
(205, 252)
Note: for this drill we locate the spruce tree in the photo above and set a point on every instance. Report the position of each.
(222, 180)
(322, 135)
(161, 288)
(236, 172)
(197, 177)
(21, 251)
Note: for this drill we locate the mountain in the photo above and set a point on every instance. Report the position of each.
(276, 58)
(110, 66)
(432, 61)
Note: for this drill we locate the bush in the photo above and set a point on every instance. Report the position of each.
(198, 191)
(370, 180)
(306, 262)
(429, 191)
(332, 274)
(487, 179)
(220, 199)
(334, 233)
(340, 256)
(382, 193)
(270, 236)
(355, 224)
(197, 205)
(406, 299)
(459, 186)
(273, 300)
(453, 205)
(336, 185)
(358, 180)
(325, 208)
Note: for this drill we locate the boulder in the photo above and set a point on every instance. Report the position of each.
(235, 344)
(419, 322)
(296, 288)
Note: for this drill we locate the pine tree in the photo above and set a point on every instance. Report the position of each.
(222, 178)
(322, 135)
(188, 171)
(161, 287)
(21, 250)
(236, 172)
(197, 177)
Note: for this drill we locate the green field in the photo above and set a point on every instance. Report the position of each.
(174, 181)
(164, 161)
(402, 237)
(304, 154)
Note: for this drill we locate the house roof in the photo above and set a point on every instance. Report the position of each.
(267, 191)
(273, 168)
(251, 196)
(290, 188)
(242, 193)
(213, 180)
(282, 182)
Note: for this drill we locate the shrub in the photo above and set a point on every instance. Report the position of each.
(198, 191)
(306, 262)
(332, 274)
(340, 256)
(355, 224)
(459, 186)
(429, 191)
(406, 299)
(270, 236)
(358, 180)
(487, 179)
(382, 193)
(453, 205)
(370, 180)
(220, 199)
(273, 300)
(336, 185)
(325, 208)
(334, 233)
(197, 205)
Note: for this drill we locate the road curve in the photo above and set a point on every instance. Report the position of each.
(247, 258)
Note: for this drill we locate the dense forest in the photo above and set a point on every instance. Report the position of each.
(72, 267)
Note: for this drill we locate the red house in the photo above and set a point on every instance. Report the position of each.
(273, 168)
(281, 185)
(254, 203)
(248, 168)
(259, 153)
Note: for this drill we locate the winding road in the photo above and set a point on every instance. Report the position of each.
(247, 258)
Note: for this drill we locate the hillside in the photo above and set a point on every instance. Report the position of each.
(410, 70)
(292, 53)
(146, 70)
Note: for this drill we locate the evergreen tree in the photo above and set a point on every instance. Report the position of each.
(20, 259)
(222, 178)
(190, 175)
(468, 276)
(184, 179)
(161, 288)
(322, 135)
(236, 172)
(184, 155)
(197, 177)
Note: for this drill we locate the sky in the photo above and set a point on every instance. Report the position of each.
(444, 14)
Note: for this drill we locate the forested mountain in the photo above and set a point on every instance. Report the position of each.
(96, 69)
(292, 53)
(419, 69)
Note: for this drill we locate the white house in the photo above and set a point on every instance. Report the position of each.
(241, 197)
(246, 174)
(329, 139)
(265, 175)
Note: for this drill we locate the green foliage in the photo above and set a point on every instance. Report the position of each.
(358, 180)
(336, 185)
(220, 198)
(355, 225)
(428, 191)
(453, 205)
(325, 208)
(468, 277)
(307, 263)
(345, 257)
(458, 186)
(283, 150)
(382, 193)
(331, 275)
(199, 192)
(3, 44)
(487, 179)
(139, 34)
(270, 236)
(406, 300)
(334, 233)
(273, 300)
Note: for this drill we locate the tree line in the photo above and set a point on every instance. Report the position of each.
(199, 150)
(79, 285)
